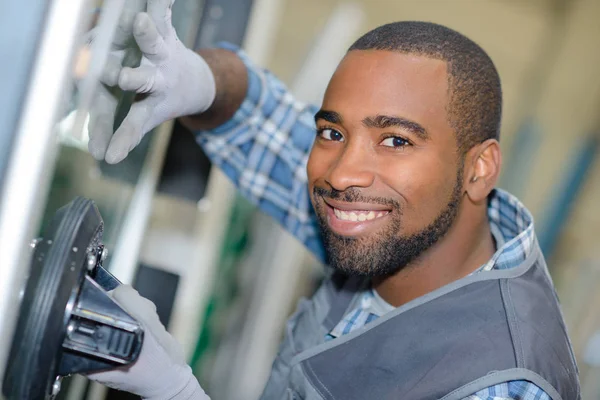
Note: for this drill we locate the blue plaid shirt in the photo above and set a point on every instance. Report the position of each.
(264, 149)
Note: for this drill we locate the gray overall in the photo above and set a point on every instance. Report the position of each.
(488, 328)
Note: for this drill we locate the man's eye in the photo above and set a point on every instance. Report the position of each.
(395, 141)
(330, 134)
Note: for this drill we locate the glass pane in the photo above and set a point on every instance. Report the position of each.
(77, 173)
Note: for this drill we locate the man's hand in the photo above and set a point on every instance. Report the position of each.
(160, 372)
(175, 81)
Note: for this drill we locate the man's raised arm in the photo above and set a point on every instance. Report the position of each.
(263, 143)
(231, 82)
(246, 120)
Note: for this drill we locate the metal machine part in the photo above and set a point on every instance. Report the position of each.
(68, 323)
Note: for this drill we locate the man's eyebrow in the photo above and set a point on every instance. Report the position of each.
(329, 116)
(386, 121)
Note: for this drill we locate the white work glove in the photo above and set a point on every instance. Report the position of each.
(160, 372)
(175, 80)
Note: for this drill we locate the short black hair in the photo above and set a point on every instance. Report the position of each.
(475, 93)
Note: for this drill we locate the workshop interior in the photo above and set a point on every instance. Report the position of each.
(223, 276)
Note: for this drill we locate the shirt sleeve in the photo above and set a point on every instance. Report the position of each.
(511, 390)
(264, 149)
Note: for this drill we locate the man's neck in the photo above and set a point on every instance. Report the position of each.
(467, 246)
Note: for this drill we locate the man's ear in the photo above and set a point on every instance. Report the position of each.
(483, 163)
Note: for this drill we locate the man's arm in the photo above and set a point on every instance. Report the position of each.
(231, 81)
(247, 121)
(262, 141)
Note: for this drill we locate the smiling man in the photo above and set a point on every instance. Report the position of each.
(437, 287)
(403, 122)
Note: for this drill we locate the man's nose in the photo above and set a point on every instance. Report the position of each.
(353, 168)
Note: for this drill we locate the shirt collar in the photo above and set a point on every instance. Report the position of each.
(509, 217)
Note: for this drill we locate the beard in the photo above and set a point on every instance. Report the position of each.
(387, 252)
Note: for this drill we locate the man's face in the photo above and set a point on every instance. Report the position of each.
(385, 174)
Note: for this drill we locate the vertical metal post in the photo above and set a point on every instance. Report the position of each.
(22, 22)
(29, 165)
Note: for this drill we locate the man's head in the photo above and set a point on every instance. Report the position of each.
(409, 119)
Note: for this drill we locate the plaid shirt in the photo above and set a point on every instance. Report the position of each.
(264, 149)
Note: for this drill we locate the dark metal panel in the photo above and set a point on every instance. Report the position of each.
(186, 168)
(223, 20)
(160, 287)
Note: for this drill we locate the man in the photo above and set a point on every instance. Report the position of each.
(438, 288)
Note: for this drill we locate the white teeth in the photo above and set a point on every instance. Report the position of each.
(358, 216)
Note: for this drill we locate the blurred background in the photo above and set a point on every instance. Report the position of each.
(225, 277)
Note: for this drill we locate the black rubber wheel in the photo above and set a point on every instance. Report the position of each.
(58, 267)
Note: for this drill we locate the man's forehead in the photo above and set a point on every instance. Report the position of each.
(370, 82)
(393, 67)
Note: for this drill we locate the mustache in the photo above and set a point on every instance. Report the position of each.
(352, 195)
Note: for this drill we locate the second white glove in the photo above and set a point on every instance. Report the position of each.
(160, 372)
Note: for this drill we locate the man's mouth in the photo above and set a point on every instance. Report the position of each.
(354, 219)
(358, 215)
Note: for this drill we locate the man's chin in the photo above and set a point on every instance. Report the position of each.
(363, 264)
(363, 271)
